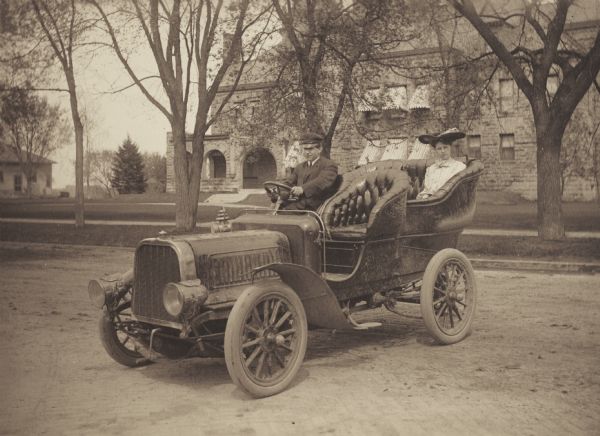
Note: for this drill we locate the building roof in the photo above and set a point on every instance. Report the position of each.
(7, 156)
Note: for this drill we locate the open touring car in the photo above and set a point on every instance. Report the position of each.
(251, 294)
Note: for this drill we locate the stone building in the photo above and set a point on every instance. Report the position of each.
(243, 151)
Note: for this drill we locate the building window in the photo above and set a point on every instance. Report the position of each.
(368, 102)
(48, 181)
(455, 149)
(18, 182)
(217, 165)
(420, 98)
(253, 105)
(474, 146)
(507, 147)
(1, 177)
(395, 98)
(506, 95)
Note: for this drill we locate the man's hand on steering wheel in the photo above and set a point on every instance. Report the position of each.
(280, 191)
(297, 191)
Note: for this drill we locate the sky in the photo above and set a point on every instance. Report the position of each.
(117, 114)
(114, 115)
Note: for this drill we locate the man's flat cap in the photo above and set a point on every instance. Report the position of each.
(311, 138)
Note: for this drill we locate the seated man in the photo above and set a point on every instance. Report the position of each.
(313, 179)
(445, 167)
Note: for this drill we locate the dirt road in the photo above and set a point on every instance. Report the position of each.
(531, 367)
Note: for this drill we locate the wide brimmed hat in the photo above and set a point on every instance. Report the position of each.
(447, 136)
(311, 138)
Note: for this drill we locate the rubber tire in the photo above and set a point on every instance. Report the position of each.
(232, 344)
(426, 303)
(114, 348)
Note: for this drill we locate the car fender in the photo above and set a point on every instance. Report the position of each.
(320, 303)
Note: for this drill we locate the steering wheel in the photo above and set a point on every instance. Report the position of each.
(279, 190)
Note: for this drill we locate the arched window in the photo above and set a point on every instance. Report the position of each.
(217, 165)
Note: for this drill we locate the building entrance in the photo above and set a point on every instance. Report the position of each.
(259, 166)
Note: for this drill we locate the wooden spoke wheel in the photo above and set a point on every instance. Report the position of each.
(265, 339)
(448, 296)
(117, 343)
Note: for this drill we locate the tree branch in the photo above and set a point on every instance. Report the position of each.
(125, 63)
(466, 8)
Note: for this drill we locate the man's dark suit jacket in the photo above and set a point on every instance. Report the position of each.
(317, 182)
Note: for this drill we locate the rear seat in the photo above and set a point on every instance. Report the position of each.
(372, 199)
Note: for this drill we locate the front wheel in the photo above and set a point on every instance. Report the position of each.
(265, 339)
(117, 343)
(448, 296)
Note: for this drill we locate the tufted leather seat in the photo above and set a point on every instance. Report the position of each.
(370, 201)
(416, 170)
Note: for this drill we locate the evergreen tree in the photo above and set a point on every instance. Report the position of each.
(128, 169)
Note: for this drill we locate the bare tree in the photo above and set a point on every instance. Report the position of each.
(101, 169)
(327, 41)
(183, 41)
(155, 170)
(32, 129)
(62, 25)
(531, 57)
(89, 126)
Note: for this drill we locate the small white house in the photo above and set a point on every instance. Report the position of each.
(14, 183)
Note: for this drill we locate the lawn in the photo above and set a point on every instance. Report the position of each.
(494, 211)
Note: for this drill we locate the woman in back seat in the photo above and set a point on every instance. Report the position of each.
(445, 167)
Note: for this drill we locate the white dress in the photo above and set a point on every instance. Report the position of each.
(438, 174)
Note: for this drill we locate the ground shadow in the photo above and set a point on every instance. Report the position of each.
(325, 348)
(395, 331)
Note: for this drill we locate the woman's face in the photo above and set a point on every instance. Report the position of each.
(443, 151)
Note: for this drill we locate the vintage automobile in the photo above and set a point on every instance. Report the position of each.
(250, 293)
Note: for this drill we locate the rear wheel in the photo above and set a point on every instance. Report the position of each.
(448, 296)
(265, 339)
(118, 344)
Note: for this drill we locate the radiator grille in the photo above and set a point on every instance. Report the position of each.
(155, 266)
(229, 269)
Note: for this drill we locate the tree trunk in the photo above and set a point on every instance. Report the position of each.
(186, 194)
(549, 194)
(596, 169)
(78, 125)
(28, 188)
(311, 103)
